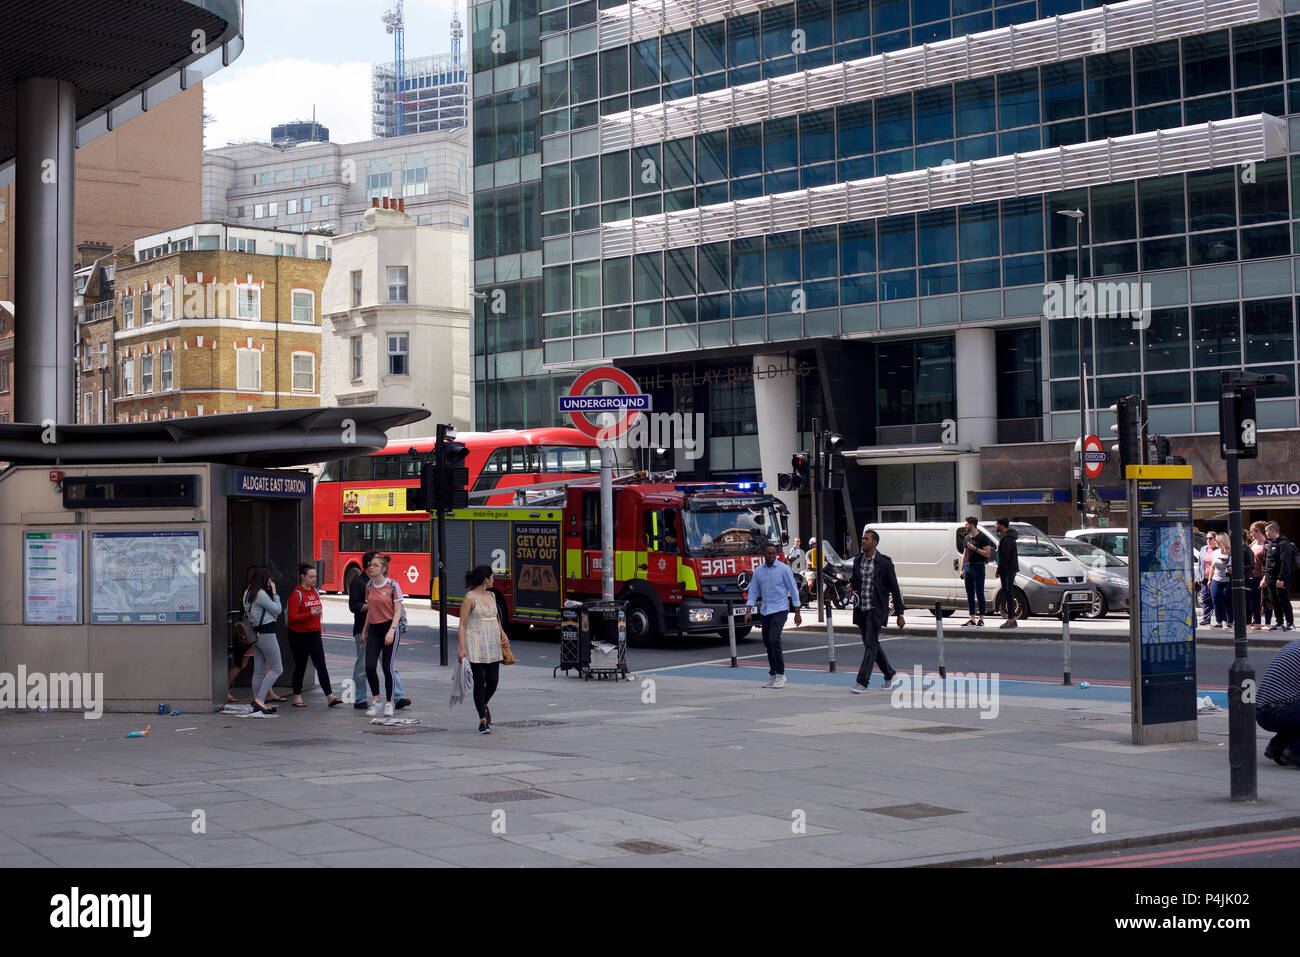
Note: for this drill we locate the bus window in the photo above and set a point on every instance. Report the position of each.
(389, 466)
(330, 471)
(360, 469)
(591, 520)
(517, 459)
(412, 537)
(354, 536)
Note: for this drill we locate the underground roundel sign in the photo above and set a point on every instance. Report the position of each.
(1093, 456)
(627, 404)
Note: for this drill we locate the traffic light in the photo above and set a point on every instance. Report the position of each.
(834, 461)
(797, 477)
(452, 475)
(1159, 452)
(1237, 424)
(1130, 419)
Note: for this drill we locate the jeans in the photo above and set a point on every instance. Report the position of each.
(772, 625)
(266, 657)
(974, 576)
(308, 645)
(1284, 721)
(1280, 595)
(1009, 595)
(872, 653)
(1257, 604)
(1207, 603)
(359, 680)
(1221, 595)
(485, 684)
(376, 651)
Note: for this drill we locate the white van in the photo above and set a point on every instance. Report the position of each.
(927, 561)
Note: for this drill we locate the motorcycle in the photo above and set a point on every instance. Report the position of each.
(835, 589)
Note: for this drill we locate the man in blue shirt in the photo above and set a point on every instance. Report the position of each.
(773, 591)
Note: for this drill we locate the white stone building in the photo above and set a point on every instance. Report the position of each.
(328, 187)
(396, 314)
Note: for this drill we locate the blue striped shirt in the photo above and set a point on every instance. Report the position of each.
(1281, 681)
(774, 586)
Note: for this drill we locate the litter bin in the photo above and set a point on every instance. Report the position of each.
(604, 623)
(569, 630)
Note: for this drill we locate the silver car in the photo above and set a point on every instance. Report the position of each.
(1108, 572)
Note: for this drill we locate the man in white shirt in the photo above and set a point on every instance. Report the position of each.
(773, 591)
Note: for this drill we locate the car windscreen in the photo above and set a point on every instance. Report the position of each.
(1091, 555)
(722, 531)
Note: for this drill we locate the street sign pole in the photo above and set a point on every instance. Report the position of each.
(1243, 783)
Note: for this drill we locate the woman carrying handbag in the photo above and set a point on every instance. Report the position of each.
(482, 641)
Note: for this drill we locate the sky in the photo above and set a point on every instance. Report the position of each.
(300, 53)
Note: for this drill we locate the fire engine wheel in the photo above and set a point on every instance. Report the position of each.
(349, 576)
(642, 623)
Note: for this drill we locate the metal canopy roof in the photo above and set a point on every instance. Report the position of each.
(272, 438)
(125, 56)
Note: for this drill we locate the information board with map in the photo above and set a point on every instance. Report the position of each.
(1166, 576)
(147, 577)
(52, 578)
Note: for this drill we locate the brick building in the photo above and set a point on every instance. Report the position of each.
(211, 319)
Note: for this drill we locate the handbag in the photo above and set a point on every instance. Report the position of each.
(507, 658)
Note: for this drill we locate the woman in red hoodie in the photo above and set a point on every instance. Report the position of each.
(304, 635)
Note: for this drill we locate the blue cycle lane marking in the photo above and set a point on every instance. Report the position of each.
(1013, 687)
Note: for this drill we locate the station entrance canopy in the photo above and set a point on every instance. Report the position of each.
(275, 438)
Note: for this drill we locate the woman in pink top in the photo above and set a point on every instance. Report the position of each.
(383, 613)
(1207, 571)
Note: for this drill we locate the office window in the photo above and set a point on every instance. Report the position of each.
(259, 211)
(322, 252)
(128, 312)
(249, 373)
(304, 306)
(250, 302)
(272, 209)
(4, 375)
(306, 204)
(304, 372)
(398, 363)
(165, 371)
(146, 308)
(325, 199)
(88, 407)
(356, 357)
(291, 207)
(397, 276)
(128, 377)
(286, 249)
(164, 303)
(146, 375)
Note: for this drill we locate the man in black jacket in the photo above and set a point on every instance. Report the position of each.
(1008, 566)
(874, 582)
(1279, 565)
(357, 605)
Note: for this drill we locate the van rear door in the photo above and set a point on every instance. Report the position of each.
(923, 558)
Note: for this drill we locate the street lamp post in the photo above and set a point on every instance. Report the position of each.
(1077, 216)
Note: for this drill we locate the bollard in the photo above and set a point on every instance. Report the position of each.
(731, 634)
(830, 640)
(938, 633)
(1065, 639)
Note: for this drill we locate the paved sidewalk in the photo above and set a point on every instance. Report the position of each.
(700, 767)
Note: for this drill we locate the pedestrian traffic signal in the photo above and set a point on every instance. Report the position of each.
(453, 476)
(1237, 425)
(1130, 418)
(797, 477)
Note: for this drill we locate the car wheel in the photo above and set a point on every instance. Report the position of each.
(947, 612)
(642, 623)
(1022, 606)
(1099, 607)
(742, 631)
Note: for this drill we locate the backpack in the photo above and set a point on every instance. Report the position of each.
(246, 635)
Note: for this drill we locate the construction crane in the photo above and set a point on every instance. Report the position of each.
(457, 34)
(393, 21)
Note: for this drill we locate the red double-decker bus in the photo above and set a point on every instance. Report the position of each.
(360, 503)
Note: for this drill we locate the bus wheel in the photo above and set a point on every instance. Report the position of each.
(349, 576)
(642, 623)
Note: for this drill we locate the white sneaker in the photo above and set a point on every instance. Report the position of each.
(771, 682)
(373, 709)
(388, 710)
(778, 681)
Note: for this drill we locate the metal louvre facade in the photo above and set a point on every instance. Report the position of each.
(647, 18)
(1103, 29)
(1161, 153)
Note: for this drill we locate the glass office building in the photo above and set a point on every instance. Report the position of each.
(853, 207)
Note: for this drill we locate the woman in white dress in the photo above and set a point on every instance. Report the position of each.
(481, 640)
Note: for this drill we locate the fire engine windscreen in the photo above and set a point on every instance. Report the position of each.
(734, 530)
